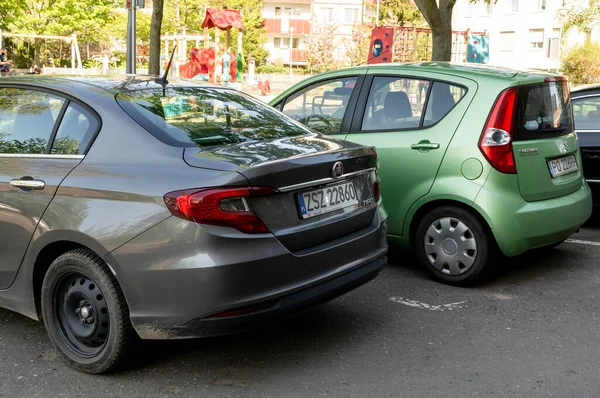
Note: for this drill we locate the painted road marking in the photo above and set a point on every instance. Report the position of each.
(425, 306)
(583, 242)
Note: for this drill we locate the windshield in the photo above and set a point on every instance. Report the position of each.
(543, 111)
(206, 116)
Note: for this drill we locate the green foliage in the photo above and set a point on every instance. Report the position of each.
(581, 64)
(357, 46)
(399, 12)
(272, 69)
(254, 32)
(583, 17)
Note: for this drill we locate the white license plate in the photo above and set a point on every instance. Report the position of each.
(561, 166)
(327, 199)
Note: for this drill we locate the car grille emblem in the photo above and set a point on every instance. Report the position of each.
(337, 170)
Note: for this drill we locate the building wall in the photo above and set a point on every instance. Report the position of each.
(306, 15)
(523, 34)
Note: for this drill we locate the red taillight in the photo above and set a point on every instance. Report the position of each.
(497, 135)
(219, 206)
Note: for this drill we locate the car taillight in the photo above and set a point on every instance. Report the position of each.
(219, 206)
(497, 136)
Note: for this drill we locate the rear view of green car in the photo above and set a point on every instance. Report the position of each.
(473, 159)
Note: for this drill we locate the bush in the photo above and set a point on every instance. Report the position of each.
(272, 69)
(581, 64)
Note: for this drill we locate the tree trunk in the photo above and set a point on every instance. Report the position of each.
(439, 19)
(37, 50)
(155, 30)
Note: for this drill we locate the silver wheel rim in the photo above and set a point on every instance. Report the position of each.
(450, 246)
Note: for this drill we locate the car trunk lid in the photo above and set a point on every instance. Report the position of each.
(545, 147)
(302, 169)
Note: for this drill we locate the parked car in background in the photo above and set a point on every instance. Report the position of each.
(129, 205)
(586, 111)
(473, 158)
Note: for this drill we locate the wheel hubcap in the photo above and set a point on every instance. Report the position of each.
(450, 246)
(81, 314)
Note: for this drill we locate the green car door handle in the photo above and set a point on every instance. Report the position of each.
(424, 145)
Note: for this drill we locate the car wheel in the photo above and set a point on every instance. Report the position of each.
(85, 312)
(452, 245)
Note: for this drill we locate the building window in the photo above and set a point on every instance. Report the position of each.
(536, 39)
(291, 11)
(514, 6)
(541, 5)
(508, 41)
(552, 44)
(296, 42)
(284, 42)
(350, 16)
(277, 42)
(327, 14)
(487, 8)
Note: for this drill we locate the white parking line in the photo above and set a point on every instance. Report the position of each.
(425, 306)
(583, 242)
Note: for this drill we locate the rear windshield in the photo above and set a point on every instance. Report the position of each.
(543, 111)
(206, 116)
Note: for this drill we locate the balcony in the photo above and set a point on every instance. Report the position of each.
(301, 26)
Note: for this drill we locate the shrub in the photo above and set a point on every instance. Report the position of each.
(581, 64)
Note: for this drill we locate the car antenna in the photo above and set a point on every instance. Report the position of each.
(163, 80)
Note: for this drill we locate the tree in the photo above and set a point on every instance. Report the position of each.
(399, 12)
(581, 64)
(439, 19)
(357, 46)
(254, 30)
(155, 30)
(585, 18)
(320, 42)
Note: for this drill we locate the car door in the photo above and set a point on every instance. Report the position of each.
(411, 121)
(36, 154)
(325, 105)
(586, 112)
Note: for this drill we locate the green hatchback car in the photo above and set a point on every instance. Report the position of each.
(472, 158)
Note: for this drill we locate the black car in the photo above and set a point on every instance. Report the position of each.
(586, 109)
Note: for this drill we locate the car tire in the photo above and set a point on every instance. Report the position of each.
(85, 313)
(452, 245)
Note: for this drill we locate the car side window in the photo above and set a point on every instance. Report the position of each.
(587, 113)
(442, 99)
(27, 118)
(395, 103)
(321, 106)
(75, 131)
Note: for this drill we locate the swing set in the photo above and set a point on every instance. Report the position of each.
(76, 64)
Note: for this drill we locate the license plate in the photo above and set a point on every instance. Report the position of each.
(327, 199)
(561, 166)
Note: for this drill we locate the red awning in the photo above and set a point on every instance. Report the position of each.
(223, 19)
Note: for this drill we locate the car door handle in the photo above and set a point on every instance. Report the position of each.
(425, 145)
(27, 184)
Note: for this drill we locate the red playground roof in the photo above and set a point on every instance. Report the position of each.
(223, 19)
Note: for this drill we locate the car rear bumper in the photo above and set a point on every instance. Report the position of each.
(519, 226)
(182, 280)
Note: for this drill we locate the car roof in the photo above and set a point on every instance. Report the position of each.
(461, 69)
(586, 89)
(108, 84)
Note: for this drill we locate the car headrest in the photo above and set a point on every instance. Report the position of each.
(397, 105)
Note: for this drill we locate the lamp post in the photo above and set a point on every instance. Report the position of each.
(291, 47)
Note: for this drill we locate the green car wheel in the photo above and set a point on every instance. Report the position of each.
(452, 245)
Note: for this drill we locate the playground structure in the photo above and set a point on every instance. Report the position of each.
(414, 44)
(211, 62)
(76, 65)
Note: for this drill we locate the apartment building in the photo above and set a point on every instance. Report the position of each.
(290, 22)
(522, 33)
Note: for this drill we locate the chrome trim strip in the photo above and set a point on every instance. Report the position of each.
(594, 181)
(39, 156)
(322, 181)
(31, 184)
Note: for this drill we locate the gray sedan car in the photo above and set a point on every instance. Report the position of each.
(172, 210)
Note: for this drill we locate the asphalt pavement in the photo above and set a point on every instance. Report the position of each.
(530, 330)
